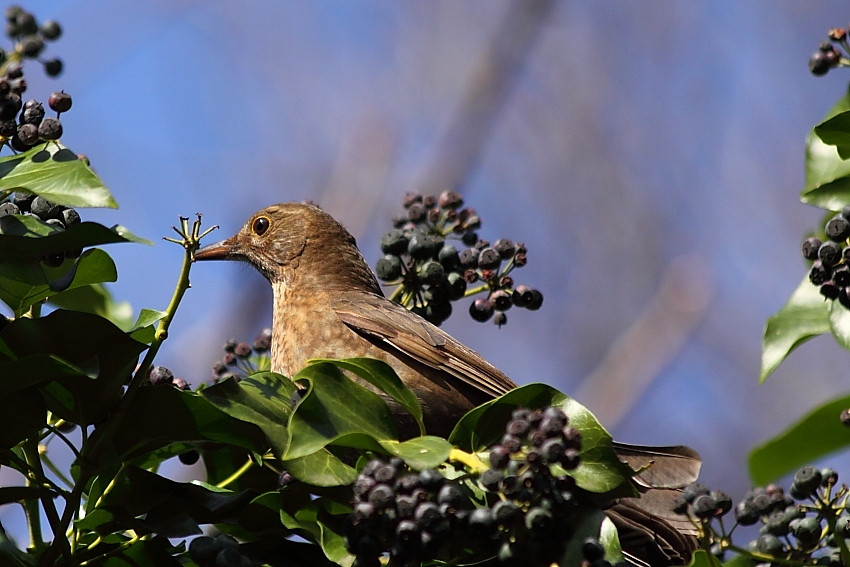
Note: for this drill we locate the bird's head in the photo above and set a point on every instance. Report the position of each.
(297, 240)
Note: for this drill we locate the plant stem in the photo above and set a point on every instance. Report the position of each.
(31, 509)
(468, 459)
(239, 472)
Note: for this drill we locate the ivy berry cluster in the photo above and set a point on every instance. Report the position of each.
(58, 217)
(830, 269)
(430, 273)
(830, 54)
(807, 525)
(528, 497)
(242, 359)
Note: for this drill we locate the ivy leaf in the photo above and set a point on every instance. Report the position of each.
(95, 299)
(25, 413)
(592, 523)
(805, 315)
(382, 376)
(599, 470)
(144, 329)
(262, 399)
(426, 452)
(27, 236)
(24, 283)
(835, 131)
(191, 418)
(321, 468)
(827, 174)
(55, 173)
(336, 410)
(817, 434)
(83, 340)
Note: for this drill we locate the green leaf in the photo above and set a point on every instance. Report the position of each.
(336, 410)
(144, 330)
(382, 376)
(322, 468)
(24, 414)
(57, 174)
(171, 508)
(81, 339)
(599, 470)
(25, 283)
(97, 300)
(806, 315)
(592, 523)
(191, 419)
(835, 131)
(318, 522)
(827, 181)
(263, 399)
(34, 369)
(839, 322)
(154, 552)
(817, 434)
(420, 453)
(26, 236)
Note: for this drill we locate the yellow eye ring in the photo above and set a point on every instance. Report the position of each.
(260, 225)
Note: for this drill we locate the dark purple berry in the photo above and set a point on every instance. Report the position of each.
(536, 300)
(505, 248)
(53, 67)
(501, 300)
(242, 350)
(819, 273)
(411, 198)
(819, 64)
(189, 457)
(837, 229)
(450, 200)
(23, 201)
(481, 310)
(50, 129)
(9, 208)
(830, 291)
(746, 513)
(59, 101)
(381, 496)
(8, 109)
(50, 30)
(30, 46)
(263, 342)
(160, 375)
(810, 248)
(14, 71)
(489, 259)
(33, 113)
(28, 134)
(499, 457)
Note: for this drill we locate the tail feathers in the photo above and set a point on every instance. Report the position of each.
(661, 467)
(652, 540)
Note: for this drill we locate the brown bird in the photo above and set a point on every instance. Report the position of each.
(328, 304)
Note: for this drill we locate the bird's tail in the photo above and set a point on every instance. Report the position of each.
(651, 534)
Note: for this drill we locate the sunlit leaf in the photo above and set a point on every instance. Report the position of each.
(57, 174)
(805, 315)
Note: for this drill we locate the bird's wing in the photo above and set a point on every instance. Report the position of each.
(661, 467)
(381, 319)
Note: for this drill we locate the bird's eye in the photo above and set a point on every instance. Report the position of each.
(260, 225)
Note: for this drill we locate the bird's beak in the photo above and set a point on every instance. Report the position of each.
(224, 250)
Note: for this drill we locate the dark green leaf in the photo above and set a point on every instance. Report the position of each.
(835, 131)
(827, 182)
(817, 434)
(320, 524)
(592, 523)
(322, 468)
(29, 370)
(190, 418)
(167, 504)
(600, 469)
(145, 553)
(24, 413)
(420, 452)
(57, 174)
(263, 399)
(82, 340)
(336, 410)
(25, 283)
(26, 236)
(382, 376)
(806, 315)
(701, 559)
(97, 300)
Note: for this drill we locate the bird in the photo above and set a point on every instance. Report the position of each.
(328, 304)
